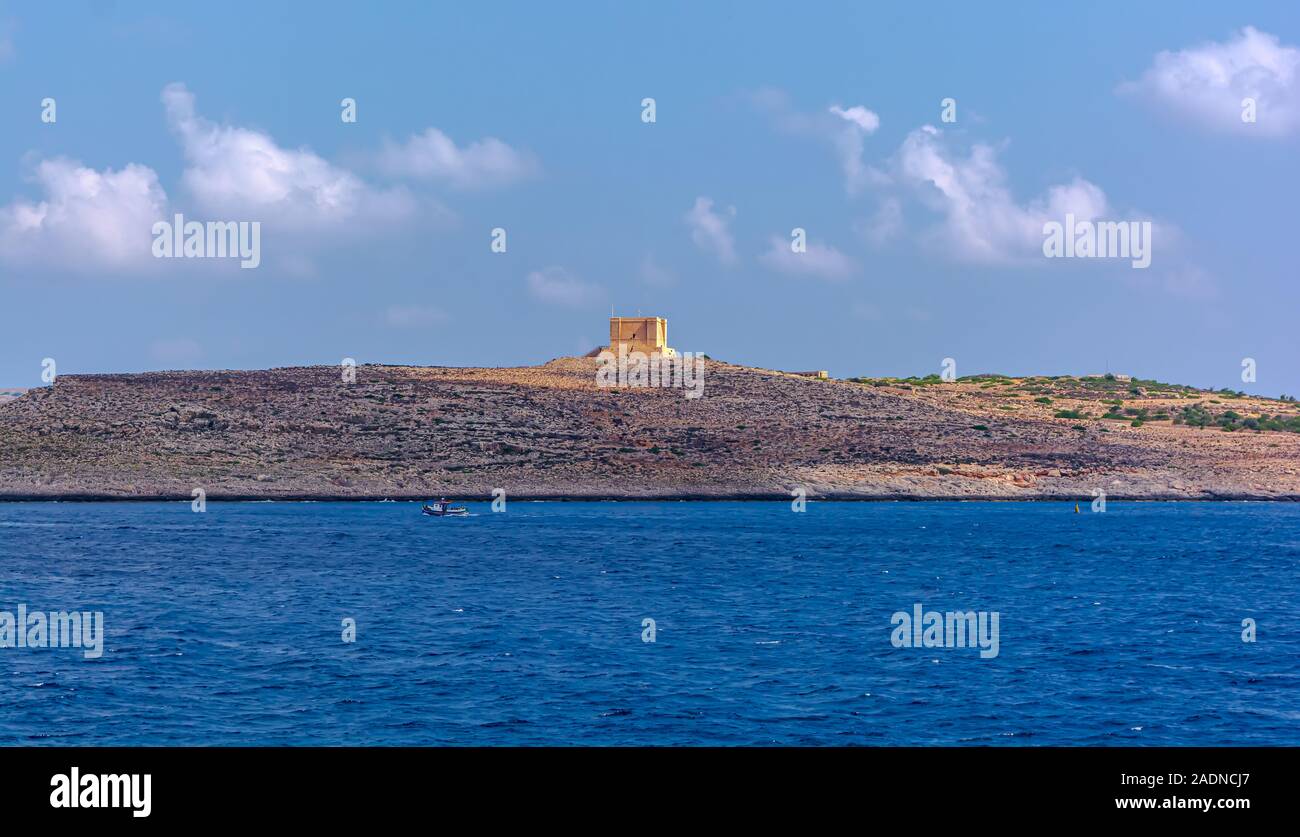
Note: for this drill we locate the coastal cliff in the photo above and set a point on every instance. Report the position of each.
(550, 432)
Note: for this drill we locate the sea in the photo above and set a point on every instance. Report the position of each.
(655, 623)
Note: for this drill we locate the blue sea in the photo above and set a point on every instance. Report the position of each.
(770, 627)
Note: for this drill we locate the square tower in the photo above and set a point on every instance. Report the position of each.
(640, 334)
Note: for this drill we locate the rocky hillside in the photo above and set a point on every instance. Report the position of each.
(549, 431)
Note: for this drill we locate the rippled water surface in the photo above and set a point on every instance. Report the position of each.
(772, 627)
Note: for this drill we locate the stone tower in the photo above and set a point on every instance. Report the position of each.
(640, 334)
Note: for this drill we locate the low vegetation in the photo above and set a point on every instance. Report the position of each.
(1120, 400)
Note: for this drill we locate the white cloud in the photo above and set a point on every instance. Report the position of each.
(241, 174)
(414, 316)
(1207, 83)
(86, 218)
(434, 156)
(849, 140)
(244, 174)
(983, 223)
(103, 220)
(819, 260)
(982, 220)
(866, 120)
(556, 286)
(710, 232)
(844, 129)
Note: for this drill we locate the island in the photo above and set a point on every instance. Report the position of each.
(551, 432)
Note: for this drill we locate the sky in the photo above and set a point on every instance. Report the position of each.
(924, 230)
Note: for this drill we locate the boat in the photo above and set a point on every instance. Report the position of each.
(444, 508)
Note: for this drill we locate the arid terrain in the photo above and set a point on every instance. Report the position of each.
(549, 431)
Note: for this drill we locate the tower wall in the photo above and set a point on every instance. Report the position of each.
(640, 334)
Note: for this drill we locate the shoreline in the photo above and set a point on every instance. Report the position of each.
(756, 497)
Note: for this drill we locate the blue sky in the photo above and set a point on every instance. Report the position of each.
(923, 243)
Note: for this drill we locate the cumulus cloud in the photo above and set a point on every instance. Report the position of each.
(866, 120)
(103, 220)
(983, 222)
(849, 141)
(556, 286)
(1206, 84)
(980, 220)
(85, 218)
(244, 174)
(844, 129)
(710, 230)
(434, 156)
(818, 260)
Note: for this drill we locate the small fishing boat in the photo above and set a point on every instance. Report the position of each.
(444, 508)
